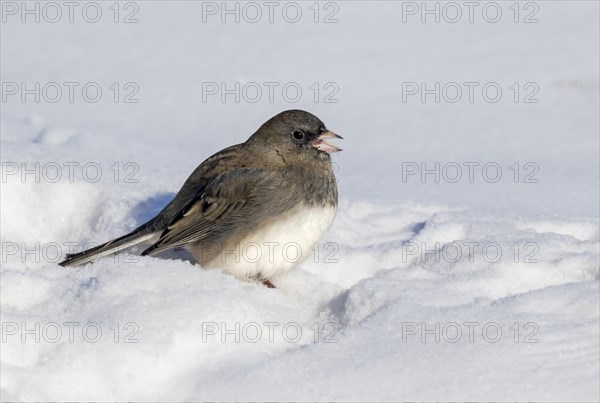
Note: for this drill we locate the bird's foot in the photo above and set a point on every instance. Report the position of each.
(268, 283)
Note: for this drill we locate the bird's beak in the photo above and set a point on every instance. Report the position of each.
(321, 145)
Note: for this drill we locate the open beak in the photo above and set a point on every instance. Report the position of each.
(321, 145)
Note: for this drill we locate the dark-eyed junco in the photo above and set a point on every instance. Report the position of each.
(253, 209)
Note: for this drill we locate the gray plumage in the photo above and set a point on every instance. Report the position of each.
(270, 177)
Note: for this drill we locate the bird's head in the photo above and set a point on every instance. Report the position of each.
(295, 135)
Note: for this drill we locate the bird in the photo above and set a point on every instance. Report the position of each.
(253, 210)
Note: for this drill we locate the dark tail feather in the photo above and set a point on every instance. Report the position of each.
(108, 248)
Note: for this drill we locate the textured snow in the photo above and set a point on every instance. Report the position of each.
(357, 320)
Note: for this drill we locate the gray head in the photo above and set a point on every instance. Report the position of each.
(295, 135)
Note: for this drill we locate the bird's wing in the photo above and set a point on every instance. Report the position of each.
(221, 203)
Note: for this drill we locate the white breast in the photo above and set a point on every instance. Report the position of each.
(275, 248)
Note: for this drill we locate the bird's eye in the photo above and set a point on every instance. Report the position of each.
(298, 135)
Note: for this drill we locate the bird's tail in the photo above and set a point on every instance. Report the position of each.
(109, 248)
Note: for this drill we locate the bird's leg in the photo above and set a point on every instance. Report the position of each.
(268, 283)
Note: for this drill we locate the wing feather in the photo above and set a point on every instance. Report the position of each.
(214, 209)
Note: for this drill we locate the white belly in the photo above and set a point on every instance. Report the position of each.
(276, 248)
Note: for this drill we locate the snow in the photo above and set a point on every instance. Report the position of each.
(483, 288)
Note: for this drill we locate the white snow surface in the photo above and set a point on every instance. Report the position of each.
(420, 291)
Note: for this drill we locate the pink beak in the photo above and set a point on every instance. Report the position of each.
(321, 145)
